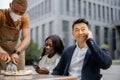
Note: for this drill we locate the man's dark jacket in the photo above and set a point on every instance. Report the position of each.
(95, 59)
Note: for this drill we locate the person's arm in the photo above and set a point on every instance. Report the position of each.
(25, 38)
(25, 33)
(4, 56)
(100, 56)
(24, 44)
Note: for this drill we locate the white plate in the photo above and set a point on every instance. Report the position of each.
(16, 73)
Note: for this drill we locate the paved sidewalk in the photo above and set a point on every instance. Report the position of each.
(113, 73)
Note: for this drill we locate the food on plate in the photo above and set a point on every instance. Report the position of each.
(20, 72)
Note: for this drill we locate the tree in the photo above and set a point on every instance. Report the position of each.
(32, 53)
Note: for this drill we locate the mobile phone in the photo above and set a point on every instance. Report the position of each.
(35, 65)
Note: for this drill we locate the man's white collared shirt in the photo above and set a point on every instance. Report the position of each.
(77, 62)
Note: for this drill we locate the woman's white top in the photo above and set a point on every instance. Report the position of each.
(49, 63)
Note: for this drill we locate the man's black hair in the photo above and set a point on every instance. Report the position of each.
(80, 21)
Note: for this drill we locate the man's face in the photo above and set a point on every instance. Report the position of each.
(80, 32)
(18, 9)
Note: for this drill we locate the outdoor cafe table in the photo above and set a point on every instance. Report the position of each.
(36, 77)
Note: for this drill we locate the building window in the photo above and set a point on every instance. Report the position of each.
(112, 14)
(99, 13)
(94, 11)
(42, 8)
(67, 6)
(79, 7)
(43, 32)
(108, 14)
(115, 2)
(50, 5)
(31, 33)
(74, 7)
(113, 39)
(103, 0)
(37, 29)
(50, 27)
(106, 35)
(97, 34)
(84, 9)
(39, 9)
(111, 2)
(116, 14)
(66, 32)
(103, 12)
(119, 14)
(89, 7)
(46, 6)
(61, 6)
(118, 2)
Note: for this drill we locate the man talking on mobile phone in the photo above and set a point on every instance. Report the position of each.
(85, 58)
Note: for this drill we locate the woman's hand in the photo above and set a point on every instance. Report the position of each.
(42, 71)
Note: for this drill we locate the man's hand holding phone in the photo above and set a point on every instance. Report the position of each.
(89, 34)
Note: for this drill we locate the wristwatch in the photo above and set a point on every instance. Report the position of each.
(16, 52)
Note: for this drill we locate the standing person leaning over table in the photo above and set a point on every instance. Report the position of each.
(51, 54)
(12, 21)
(85, 58)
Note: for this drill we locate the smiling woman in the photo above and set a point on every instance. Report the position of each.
(4, 3)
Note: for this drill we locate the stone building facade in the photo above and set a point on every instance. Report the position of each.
(57, 16)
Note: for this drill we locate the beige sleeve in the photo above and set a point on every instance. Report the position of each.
(25, 21)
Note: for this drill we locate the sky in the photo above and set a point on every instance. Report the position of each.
(4, 3)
